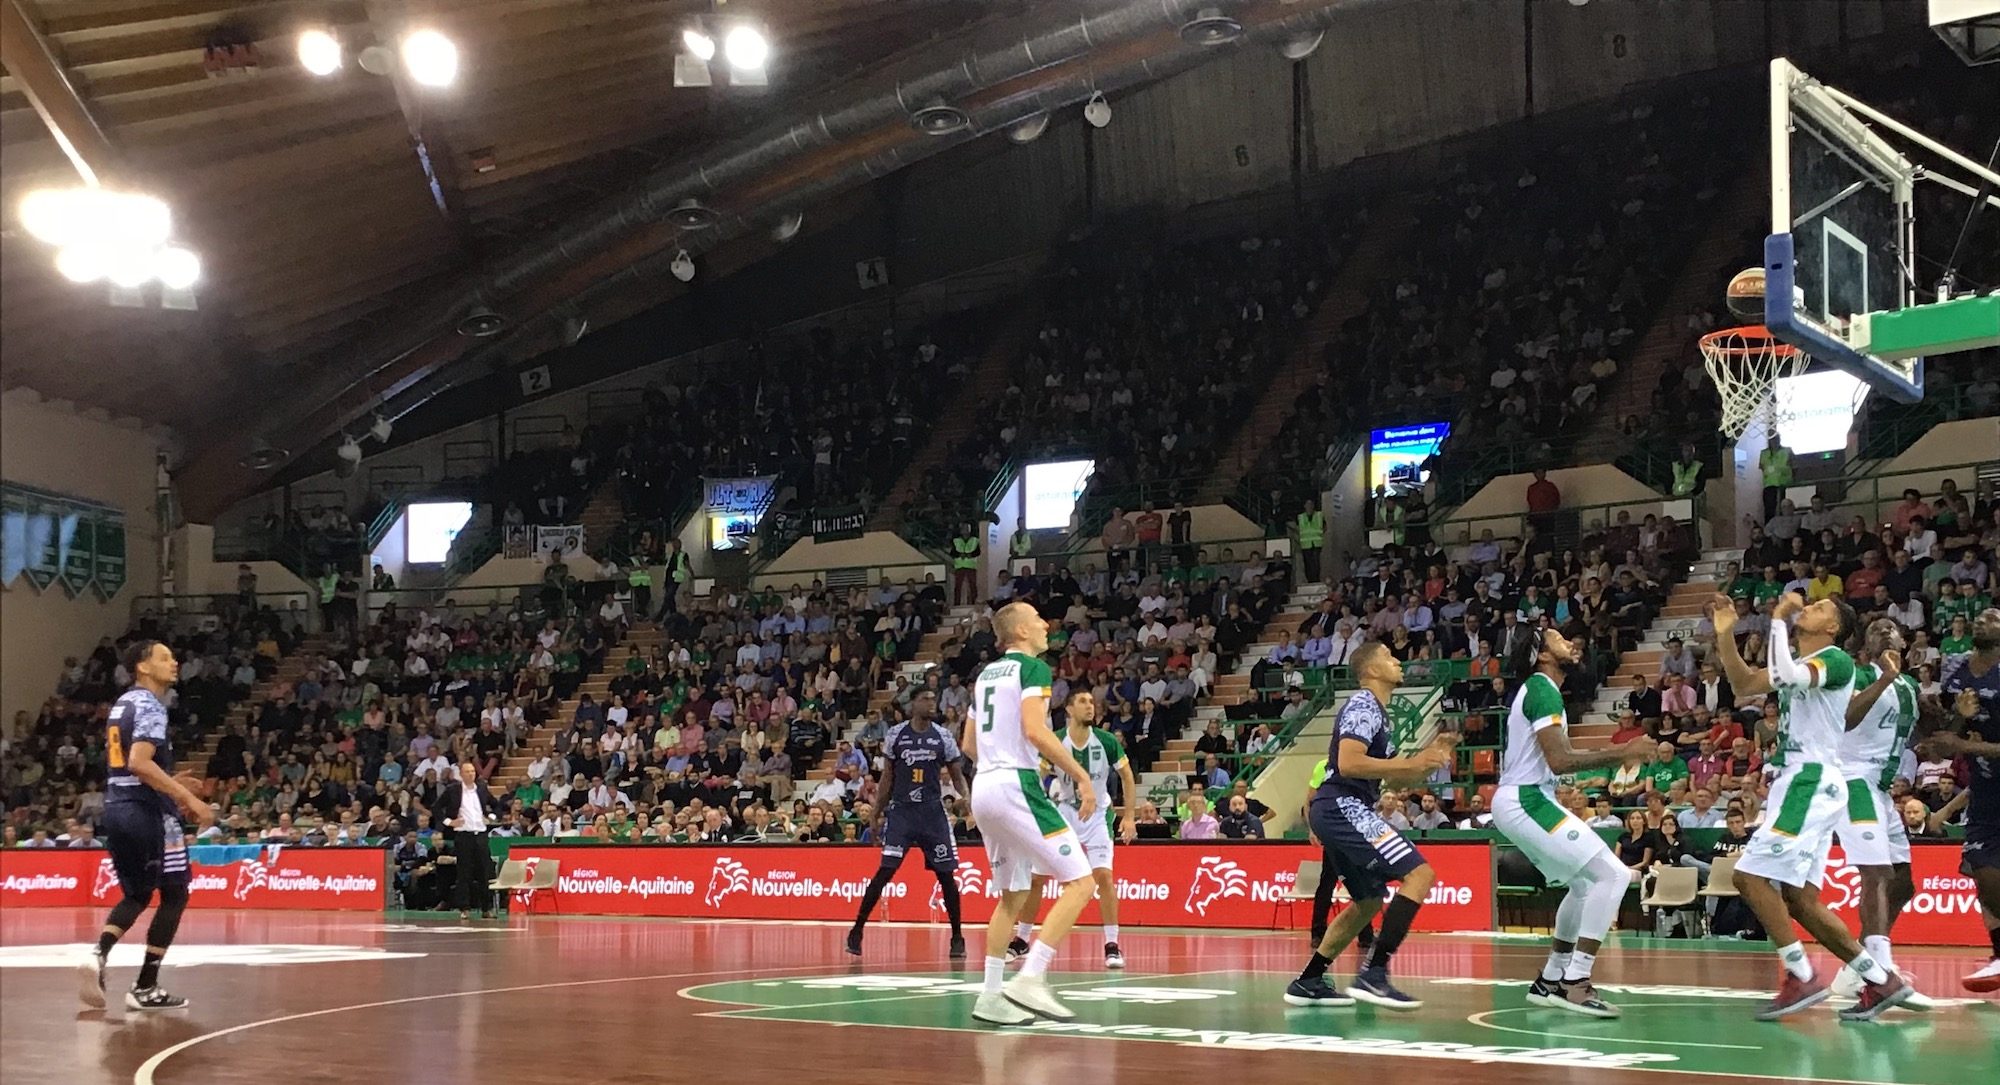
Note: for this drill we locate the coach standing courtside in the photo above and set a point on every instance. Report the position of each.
(467, 806)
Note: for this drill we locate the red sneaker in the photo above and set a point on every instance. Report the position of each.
(1794, 994)
(1876, 998)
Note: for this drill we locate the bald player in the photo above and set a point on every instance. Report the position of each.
(1007, 733)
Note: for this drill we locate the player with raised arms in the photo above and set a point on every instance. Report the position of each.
(142, 829)
(1973, 692)
(1566, 851)
(1007, 734)
(1359, 847)
(1784, 864)
(919, 756)
(1879, 720)
(1100, 753)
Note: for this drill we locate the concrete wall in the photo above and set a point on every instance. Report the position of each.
(392, 553)
(1345, 504)
(1501, 503)
(52, 447)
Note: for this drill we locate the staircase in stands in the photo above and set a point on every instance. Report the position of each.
(1680, 617)
(1669, 345)
(603, 514)
(290, 669)
(643, 638)
(959, 415)
(1372, 260)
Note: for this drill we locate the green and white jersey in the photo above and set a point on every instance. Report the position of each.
(1873, 750)
(1002, 688)
(1537, 704)
(1100, 755)
(1812, 715)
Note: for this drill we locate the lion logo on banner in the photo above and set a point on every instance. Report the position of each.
(250, 874)
(1843, 885)
(107, 879)
(1214, 879)
(728, 877)
(526, 897)
(971, 883)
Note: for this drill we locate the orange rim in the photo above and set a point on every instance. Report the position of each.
(1743, 342)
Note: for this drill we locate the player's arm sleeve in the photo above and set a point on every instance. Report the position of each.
(1542, 704)
(1785, 671)
(951, 751)
(1036, 679)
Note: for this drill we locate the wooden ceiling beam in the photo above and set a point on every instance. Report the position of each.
(29, 59)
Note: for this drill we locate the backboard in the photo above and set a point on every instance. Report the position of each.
(1843, 229)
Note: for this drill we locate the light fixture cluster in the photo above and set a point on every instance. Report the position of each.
(105, 235)
(430, 58)
(744, 49)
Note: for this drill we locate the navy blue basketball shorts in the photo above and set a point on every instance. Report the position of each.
(1360, 848)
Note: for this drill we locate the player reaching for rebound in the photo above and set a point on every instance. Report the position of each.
(1785, 862)
(1359, 847)
(1564, 849)
(1007, 734)
(141, 828)
(1879, 719)
(1973, 692)
(1100, 754)
(919, 755)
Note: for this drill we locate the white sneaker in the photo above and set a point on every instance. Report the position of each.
(1114, 958)
(994, 1009)
(1032, 993)
(90, 979)
(1847, 983)
(1986, 980)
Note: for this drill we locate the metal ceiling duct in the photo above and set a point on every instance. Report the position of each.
(1035, 69)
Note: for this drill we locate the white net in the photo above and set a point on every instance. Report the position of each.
(1745, 363)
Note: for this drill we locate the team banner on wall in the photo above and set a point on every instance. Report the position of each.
(1218, 884)
(48, 538)
(1945, 911)
(565, 539)
(321, 879)
(838, 522)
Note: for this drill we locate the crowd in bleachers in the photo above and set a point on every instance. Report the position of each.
(1148, 358)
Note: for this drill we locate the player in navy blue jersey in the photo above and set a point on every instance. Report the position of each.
(911, 814)
(1359, 847)
(1972, 693)
(142, 828)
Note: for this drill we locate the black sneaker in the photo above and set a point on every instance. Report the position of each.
(1373, 987)
(1316, 991)
(1017, 949)
(957, 951)
(153, 998)
(854, 942)
(1543, 991)
(1114, 958)
(1579, 996)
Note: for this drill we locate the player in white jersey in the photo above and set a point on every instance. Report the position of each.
(1880, 719)
(1101, 754)
(1783, 865)
(1566, 851)
(1007, 732)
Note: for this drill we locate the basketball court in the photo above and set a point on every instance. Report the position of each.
(367, 998)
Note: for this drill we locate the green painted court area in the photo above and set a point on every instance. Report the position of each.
(1703, 1031)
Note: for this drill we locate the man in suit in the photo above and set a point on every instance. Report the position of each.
(468, 809)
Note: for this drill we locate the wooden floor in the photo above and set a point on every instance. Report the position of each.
(299, 998)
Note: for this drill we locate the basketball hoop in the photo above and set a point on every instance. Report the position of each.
(1745, 364)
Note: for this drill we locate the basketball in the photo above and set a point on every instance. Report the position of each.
(1746, 294)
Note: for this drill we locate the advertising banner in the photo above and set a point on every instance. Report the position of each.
(290, 879)
(1216, 884)
(1945, 911)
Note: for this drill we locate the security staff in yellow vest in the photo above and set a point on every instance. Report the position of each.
(680, 570)
(1020, 544)
(1775, 465)
(965, 566)
(641, 580)
(1687, 472)
(1310, 527)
